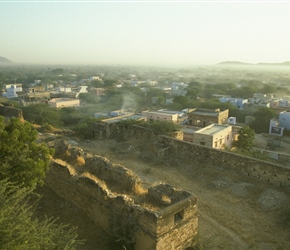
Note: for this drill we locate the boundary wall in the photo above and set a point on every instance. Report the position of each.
(166, 146)
(161, 217)
(276, 174)
(8, 111)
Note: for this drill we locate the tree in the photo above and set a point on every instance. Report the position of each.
(161, 127)
(84, 129)
(18, 229)
(245, 141)
(42, 113)
(23, 161)
(262, 120)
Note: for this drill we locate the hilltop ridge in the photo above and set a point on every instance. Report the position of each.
(4, 60)
(238, 63)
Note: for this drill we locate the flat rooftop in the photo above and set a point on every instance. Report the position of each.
(205, 113)
(62, 99)
(163, 112)
(123, 118)
(210, 130)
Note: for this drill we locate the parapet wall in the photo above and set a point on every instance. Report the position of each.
(8, 111)
(161, 217)
(276, 174)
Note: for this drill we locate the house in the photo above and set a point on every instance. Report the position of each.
(238, 102)
(10, 92)
(274, 103)
(274, 128)
(63, 89)
(284, 119)
(64, 102)
(178, 85)
(81, 89)
(203, 117)
(161, 115)
(95, 78)
(265, 104)
(98, 91)
(213, 136)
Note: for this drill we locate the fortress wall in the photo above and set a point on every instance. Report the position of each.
(119, 215)
(165, 146)
(8, 111)
(276, 174)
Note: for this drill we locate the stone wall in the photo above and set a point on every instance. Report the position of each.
(276, 174)
(8, 111)
(161, 217)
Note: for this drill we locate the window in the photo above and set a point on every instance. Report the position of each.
(228, 137)
(202, 143)
(215, 144)
(178, 217)
(221, 141)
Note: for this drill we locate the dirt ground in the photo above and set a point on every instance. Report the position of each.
(235, 212)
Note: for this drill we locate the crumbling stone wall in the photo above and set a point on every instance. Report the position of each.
(8, 111)
(161, 217)
(276, 174)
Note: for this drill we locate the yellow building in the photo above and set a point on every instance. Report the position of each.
(214, 136)
(64, 102)
(204, 117)
(169, 116)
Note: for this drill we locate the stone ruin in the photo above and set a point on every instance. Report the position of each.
(158, 217)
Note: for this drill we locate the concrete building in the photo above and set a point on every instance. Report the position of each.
(203, 117)
(164, 115)
(284, 119)
(98, 91)
(274, 128)
(81, 89)
(64, 102)
(12, 90)
(265, 104)
(63, 89)
(95, 78)
(214, 136)
(238, 102)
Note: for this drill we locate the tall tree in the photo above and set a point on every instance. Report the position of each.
(262, 120)
(23, 161)
(18, 229)
(245, 140)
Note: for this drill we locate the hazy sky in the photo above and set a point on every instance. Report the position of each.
(144, 33)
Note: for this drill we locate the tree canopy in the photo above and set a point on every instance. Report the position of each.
(262, 120)
(23, 161)
(245, 140)
(18, 229)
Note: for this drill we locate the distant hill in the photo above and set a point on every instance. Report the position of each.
(275, 64)
(4, 60)
(237, 63)
(234, 63)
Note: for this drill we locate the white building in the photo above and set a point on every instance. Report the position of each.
(81, 89)
(63, 89)
(12, 90)
(95, 78)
